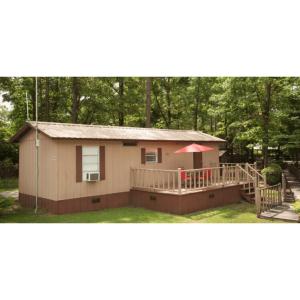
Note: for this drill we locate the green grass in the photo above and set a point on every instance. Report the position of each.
(113, 215)
(8, 184)
(296, 206)
(236, 213)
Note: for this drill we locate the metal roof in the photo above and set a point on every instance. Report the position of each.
(82, 131)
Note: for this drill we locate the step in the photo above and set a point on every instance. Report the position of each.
(248, 193)
(247, 189)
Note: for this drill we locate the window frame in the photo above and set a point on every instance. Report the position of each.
(147, 152)
(84, 164)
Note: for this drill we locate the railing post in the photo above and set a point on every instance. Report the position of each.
(179, 180)
(257, 199)
(237, 174)
(255, 165)
(265, 180)
(279, 194)
(283, 187)
(223, 174)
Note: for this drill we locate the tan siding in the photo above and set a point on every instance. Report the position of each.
(211, 158)
(119, 159)
(47, 166)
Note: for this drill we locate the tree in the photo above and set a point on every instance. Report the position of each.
(148, 101)
(75, 99)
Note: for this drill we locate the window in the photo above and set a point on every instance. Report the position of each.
(151, 156)
(90, 161)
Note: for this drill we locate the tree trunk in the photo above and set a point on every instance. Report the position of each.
(75, 99)
(47, 104)
(197, 102)
(266, 121)
(168, 97)
(148, 101)
(32, 92)
(121, 101)
(40, 99)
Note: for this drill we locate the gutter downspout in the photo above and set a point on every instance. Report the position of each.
(37, 144)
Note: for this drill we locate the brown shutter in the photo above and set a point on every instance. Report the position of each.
(78, 163)
(102, 162)
(143, 153)
(159, 155)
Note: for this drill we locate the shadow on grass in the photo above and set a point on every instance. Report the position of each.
(235, 213)
(114, 215)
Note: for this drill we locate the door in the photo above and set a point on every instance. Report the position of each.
(197, 158)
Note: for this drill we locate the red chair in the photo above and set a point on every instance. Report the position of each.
(184, 177)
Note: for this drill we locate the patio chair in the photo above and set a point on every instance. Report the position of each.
(206, 174)
(185, 178)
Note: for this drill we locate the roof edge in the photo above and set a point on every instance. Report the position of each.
(31, 125)
(21, 132)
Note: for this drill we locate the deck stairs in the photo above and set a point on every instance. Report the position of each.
(254, 177)
(271, 201)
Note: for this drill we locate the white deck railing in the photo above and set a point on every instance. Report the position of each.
(182, 180)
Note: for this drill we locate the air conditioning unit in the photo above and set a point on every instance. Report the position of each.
(92, 176)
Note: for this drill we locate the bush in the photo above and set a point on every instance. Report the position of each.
(8, 169)
(5, 202)
(273, 174)
(8, 184)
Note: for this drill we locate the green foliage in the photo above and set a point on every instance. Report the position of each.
(236, 109)
(5, 202)
(273, 173)
(7, 184)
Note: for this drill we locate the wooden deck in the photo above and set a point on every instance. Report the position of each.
(183, 181)
(185, 191)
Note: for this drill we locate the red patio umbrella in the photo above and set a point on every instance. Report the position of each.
(194, 148)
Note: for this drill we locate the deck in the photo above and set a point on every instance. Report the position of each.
(186, 191)
(182, 181)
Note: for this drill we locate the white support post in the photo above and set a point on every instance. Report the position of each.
(265, 180)
(179, 180)
(237, 174)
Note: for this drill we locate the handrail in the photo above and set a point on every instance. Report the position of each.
(257, 174)
(179, 180)
(247, 173)
(268, 197)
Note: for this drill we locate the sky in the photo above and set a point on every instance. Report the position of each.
(5, 104)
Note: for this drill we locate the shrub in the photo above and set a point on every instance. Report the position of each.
(5, 202)
(8, 169)
(273, 174)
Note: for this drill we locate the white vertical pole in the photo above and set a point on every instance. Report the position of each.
(36, 148)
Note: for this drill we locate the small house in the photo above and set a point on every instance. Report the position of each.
(92, 167)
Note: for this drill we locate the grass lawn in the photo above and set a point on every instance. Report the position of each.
(8, 184)
(235, 213)
(296, 206)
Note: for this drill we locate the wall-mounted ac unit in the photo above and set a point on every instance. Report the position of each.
(92, 176)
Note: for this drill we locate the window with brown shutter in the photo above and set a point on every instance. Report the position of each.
(102, 162)
(143, 153)
(159, 155)
(78, 163)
